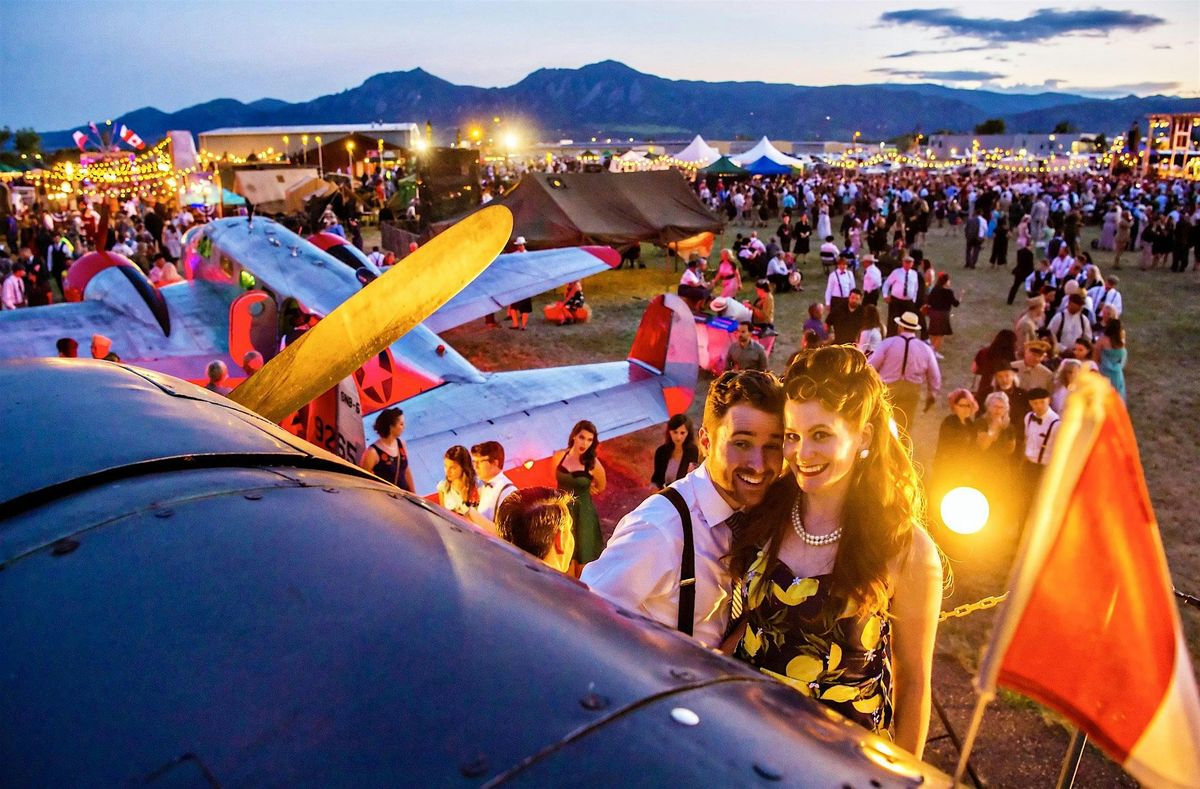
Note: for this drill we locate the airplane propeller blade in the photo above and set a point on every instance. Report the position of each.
(376, 316)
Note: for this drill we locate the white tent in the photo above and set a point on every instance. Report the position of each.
(700, 152)
(765, 148)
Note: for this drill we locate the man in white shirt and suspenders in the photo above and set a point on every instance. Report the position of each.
(667, 559)
(1041, 429)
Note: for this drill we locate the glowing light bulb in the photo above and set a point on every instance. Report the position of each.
(965, 510)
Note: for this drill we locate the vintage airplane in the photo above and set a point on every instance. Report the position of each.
(192, 596)
(250, 279)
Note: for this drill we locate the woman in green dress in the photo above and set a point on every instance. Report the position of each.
(580, 473)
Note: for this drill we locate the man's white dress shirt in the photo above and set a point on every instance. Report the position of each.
(839, 285)
(490, 494)
(902, 284)
(640, 570)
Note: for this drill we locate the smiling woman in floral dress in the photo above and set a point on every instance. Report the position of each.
(842, 584)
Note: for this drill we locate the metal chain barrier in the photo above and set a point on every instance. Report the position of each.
(970, 608)
(1191, 600)
(992, 602)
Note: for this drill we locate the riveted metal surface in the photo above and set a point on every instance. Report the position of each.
(268, 632)
(78, 417)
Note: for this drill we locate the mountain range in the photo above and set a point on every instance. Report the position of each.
(610, 99)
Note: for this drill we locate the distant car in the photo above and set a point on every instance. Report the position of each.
(190, 595)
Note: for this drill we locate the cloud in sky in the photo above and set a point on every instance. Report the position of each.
(912, 53)
(953, 75)
(1098, 92)
(1042, 25)
(1118, 91)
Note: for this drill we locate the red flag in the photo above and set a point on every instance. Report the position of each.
(80, 139)
(1090, 628)
(131, 139)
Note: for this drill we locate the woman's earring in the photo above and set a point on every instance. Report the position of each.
(863, 454)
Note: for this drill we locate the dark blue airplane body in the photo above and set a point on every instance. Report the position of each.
(191, 596)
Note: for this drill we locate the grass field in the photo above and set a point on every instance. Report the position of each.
(1162, 313)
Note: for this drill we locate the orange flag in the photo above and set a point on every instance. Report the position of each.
(1090, 628)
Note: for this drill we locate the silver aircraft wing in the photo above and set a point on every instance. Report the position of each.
(528, 411)
(521, 275)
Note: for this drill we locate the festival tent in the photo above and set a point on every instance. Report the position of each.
(699, 152)
(617, 209)
(301, 192)
(724, 166)
(764, 166)
(267, 189)
(765, 148)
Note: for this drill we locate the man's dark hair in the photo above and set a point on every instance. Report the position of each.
(531, 518)
(756, 389)
(490, 450)
(67, 347)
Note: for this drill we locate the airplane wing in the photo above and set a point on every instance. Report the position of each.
(530, 411)
(521, 275)
(288, 265)
(115, 310)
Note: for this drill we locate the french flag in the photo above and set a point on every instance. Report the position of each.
(130, 138)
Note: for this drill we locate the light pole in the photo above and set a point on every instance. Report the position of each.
(350, 155)
(320, 157)
(304, 143)
(379, 143)
(287, 148)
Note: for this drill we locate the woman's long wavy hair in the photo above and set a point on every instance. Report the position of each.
(885, 501)
(588, 458)
(461, 456)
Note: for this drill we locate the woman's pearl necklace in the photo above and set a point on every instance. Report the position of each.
(815, 540)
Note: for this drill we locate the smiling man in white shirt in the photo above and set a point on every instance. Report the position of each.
(645, 565)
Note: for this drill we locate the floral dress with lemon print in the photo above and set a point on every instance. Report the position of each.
(846, 665)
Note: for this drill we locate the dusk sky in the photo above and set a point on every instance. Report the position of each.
(79, 61)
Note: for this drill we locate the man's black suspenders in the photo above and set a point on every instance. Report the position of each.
(687, 564)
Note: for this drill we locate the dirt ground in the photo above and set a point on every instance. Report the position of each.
(1020, 744)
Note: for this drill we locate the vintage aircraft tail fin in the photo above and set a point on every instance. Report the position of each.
(665, 345)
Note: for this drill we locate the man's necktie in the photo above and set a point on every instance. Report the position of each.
(735, 522)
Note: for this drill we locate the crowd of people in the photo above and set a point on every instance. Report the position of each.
(810, 550)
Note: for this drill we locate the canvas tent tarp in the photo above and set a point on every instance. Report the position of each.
(764, 166)
(724, 166)
(300, 192)
(618, 209)
(267, 189)
(699, 152)
(764, 148)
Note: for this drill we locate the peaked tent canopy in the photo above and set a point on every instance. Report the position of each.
(301, 192)
(724, 166)
(698, 151)
(617, 209)
(764, 166)
(267, 189)
(765, 148)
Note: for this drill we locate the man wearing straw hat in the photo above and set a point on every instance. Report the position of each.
(905, 363)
